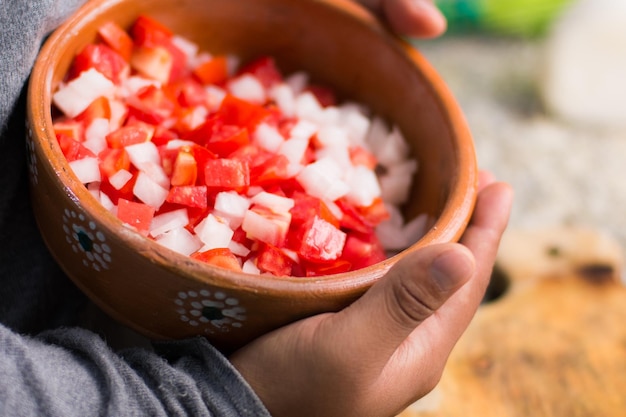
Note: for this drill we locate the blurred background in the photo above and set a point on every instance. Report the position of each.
(543, 86)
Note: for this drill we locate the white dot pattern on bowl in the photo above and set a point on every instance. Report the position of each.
(86, 240)
(212, 311)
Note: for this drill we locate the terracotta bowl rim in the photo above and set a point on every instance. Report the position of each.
(449, 226)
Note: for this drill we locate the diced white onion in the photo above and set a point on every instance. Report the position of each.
(249, 267)
(168, 221)
(143, 152)
(303, 129)
(268, 137)
(393, 149)
(214, 233)
(364, 186)
(274, 202)
(95, 135)
(284, 98)
(215, 96)
(294, 150)
(148, 191)
(248, 87)
(297, 81)
(308, 108)
(133, 84)
(180, 240)
(333, 136)
(86, 169)
(178, 143)
(272, 231)
(232, 206)
(120, 178)
(75, 96)
(238, 249)
(396, 182)
(189, 48)
(322, 179)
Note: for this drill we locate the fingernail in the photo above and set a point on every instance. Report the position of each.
(452, 268)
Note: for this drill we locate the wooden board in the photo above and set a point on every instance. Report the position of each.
(551, 343)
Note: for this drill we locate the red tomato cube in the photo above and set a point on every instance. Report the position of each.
(135, 214)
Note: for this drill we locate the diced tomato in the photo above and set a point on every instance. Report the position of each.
(71, 128)
(188, 93)
(213, 152)
(320, 241)
(150, 105)
(189, 195)
(112, 160)
(227, 174)
(235, 111)
(155, 55)
(212, 71)
(130, 135)
(221, 257)
(271, 259)
(269, 172)
(241, 237)
(220, 138)
(117, 38)
(202, 133)
(265, 69)
(147, 31)
(307, 207)
(136, 214)
(99, 108)
(102, 58)
(361, 156)
(163, 135)
(226, 139)
(72, 149)
(153, 62)
(202, 155)
(352, 218)
(375, 212)
(185, 170)
(363, 250)
(313, 269)
(126, 192)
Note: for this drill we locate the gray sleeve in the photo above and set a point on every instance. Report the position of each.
(24, 26)
(72, 372)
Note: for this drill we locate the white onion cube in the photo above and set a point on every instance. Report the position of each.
(148, 191)
(214, 233)
(364, 186)
(180, 240)
(74, 97)
(120, 178)
(168, 221)
(322, 179)
(86, 169)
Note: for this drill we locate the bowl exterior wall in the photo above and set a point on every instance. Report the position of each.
(165, 295)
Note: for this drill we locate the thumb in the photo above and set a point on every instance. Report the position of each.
(413, 289)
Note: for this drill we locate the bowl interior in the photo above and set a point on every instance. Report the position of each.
(338, 44)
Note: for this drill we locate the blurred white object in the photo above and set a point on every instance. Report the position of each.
(584, 79)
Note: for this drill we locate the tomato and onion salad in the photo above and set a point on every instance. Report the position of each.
(232, 164)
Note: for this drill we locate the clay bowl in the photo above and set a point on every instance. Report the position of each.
(164, 295)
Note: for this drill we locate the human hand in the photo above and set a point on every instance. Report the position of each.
(413, 18)
(388, 348)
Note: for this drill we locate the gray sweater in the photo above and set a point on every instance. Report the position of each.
(48, 364)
